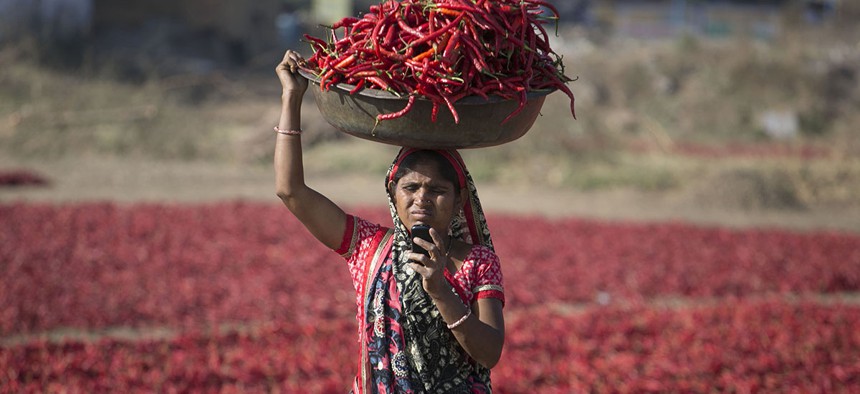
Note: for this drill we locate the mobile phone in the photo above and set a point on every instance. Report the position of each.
(421, 231)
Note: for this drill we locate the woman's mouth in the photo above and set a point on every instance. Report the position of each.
(422, 213)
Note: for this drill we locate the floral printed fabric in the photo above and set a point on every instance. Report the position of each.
(479, 277)
(406, 346)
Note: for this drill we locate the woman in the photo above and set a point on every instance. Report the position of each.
(427, 323)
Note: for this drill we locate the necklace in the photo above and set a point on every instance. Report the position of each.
(448, 249)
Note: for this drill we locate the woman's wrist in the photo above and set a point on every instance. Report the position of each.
(291, 119)
(292, 97)
(462, 320)
(440, 289)
(447, 296)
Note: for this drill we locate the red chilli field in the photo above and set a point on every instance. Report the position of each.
(237, 297)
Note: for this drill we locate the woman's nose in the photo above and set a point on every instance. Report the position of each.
(422, 195)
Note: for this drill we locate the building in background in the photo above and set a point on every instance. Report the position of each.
(817, 11)
(243, 29)
(239, 31)
(64, 20)
(709, 18)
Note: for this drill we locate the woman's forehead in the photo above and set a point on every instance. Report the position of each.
(424, 172)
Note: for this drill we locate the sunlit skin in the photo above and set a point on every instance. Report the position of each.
(421, 196)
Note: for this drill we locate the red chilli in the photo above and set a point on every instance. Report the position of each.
(444, 50)
(395, 115)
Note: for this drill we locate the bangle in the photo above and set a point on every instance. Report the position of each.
(462, 319)
(287, 132)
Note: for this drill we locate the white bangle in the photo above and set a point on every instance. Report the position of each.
(462, 319)
(287, 132)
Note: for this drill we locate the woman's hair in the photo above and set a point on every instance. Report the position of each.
(445, 168)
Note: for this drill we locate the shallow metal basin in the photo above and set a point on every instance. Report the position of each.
(480, 119)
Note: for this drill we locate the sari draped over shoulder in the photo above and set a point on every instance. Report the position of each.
(405, 345)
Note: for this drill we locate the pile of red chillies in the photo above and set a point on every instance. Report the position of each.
(444, 50)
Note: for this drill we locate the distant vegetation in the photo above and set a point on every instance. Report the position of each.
(652, 115)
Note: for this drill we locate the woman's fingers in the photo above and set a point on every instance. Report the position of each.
(431, 267)
(287, 71)
(297, 59)
(291, 62)
(285, 62)
(436, 238)
(287, 56)
(421, 259)
(433, 249)
(420, 269)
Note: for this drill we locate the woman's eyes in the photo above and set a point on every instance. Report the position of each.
(415, 188)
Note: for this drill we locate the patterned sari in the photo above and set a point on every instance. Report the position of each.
(406, 346)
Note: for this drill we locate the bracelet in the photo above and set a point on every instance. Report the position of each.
(462, 319)
(287, 132)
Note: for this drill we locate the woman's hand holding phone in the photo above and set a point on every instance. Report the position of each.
(431, 266)
(421, 231)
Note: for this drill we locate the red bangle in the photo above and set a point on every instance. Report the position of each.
(287, 132)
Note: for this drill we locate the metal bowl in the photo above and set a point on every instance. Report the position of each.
(480, 119)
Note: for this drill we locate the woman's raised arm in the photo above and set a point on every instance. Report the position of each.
(322, 217)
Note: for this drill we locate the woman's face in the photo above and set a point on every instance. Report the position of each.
(423, 196)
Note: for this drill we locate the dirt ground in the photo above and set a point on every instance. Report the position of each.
(106, 141)
(83, 179)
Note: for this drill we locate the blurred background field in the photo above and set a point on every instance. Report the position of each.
(740, 106)
(696, 229)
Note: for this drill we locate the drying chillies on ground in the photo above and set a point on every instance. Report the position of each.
(443, 51)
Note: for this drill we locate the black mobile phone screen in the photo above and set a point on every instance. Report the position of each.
(423, 232)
